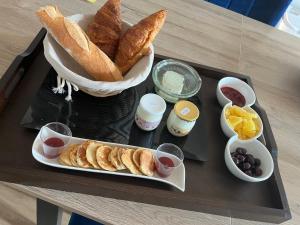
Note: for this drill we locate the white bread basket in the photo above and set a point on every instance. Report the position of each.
(68, 69)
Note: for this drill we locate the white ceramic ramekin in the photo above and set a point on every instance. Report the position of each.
(258, 150)
(229, 132)
(238, 85)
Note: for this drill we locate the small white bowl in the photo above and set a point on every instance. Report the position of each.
(229, 132)
(238, 85)
(67, 68)
(258, 150)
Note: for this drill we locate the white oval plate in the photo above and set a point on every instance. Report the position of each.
(176, 179)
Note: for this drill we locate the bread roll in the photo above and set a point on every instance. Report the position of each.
(73, 39)
(135, 43)
(105, 30)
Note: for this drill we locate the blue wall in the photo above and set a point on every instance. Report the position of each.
(266, 11)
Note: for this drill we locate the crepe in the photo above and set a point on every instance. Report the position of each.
(91, 154)
(128, 161)
(147, 162)
(113, 158)
(102, 154)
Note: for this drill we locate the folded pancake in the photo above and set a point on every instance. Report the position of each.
(64, 157)
(127, 159)
(113, 158)
(134, 44)
(136, 157)
(91, 154)
(105, 30)
(147, 163)
(81, 155)
(102, 154)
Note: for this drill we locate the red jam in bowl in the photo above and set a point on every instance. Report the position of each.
(235, 96)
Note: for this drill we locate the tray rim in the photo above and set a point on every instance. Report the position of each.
(11, 78)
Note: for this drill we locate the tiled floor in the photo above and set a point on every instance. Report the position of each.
(19, 209)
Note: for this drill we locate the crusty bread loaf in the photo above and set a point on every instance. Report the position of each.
(135, 43)
(105, 30)
(73, 39)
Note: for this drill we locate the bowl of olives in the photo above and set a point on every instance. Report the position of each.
(248, 160)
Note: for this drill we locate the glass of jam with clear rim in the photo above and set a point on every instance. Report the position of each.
(55, 137)
(168, 157)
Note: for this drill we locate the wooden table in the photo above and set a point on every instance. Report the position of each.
(200, 32)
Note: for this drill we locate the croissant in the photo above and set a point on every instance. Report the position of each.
(105, 30)
(73, 39)
(135, 43)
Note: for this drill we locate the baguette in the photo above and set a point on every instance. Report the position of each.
(74, 40)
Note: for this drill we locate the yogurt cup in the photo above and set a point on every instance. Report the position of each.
(150, 112)
(182, 118)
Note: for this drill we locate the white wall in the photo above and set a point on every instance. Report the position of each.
(290, 22)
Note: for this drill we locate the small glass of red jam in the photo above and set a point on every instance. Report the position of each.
(55, 137)
(168, 157)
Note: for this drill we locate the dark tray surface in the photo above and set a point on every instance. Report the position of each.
(112, 118)
(210, 187)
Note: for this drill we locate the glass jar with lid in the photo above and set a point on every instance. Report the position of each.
(182, 118)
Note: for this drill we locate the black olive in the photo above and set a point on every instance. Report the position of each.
(250, 159)
(234, 154)
(246, 166)
(257, 162)
(241, 151)
(241, 158)
(235, 160)
(248, 172)
(258, 172)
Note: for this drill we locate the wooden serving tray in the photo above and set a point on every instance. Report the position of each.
(210, 187)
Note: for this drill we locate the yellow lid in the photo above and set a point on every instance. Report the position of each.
(186, 110)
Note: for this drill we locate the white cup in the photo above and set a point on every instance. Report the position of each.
(55, 137)
(150, 112)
